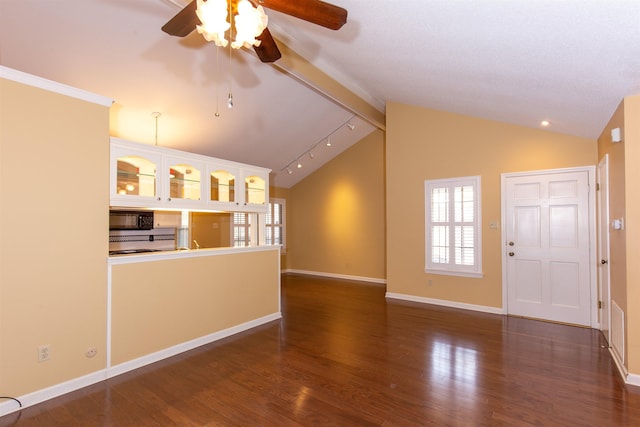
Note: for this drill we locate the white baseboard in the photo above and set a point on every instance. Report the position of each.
(51, 392)
(189, 345)
(445, 303)
(77, 383)
(337, 276)
(631, 379)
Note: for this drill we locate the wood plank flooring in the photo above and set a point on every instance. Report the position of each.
(343, 356)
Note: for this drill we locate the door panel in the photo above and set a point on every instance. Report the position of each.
(547, 262)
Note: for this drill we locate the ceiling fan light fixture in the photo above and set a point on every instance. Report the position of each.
(250, 22)
(213, 15)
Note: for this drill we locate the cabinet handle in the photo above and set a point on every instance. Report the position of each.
(604, 261)
(511, 254)
(168, 199)
(511, 243)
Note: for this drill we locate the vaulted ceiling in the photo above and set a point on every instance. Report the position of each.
(520, 61)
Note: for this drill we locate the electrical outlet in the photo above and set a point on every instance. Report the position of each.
(91, 352)
(44, 352)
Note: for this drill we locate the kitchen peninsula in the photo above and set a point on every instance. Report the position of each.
(183, 296)
(161, 304)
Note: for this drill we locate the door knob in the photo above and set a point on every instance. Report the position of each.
(604, 261)
(511, 254)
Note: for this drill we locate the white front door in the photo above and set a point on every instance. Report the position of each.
(547, 247)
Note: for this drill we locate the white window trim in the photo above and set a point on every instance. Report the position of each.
(283, 203)
(249, 230)
(452, 270)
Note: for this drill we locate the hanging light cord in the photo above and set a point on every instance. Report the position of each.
(156, 115)
(217, 113)
(230, 98)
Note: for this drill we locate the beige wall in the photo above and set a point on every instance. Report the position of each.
(211, 229)
(624, 202)
(54, 199)
(427, 144)
(617, 243)
(335, 216)
(632, 228)
(632, 217)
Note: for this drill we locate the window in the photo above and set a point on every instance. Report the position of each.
(452, 223)
(241, 229)
(275, 223)
(243, 233)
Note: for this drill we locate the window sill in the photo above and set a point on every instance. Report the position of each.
(477, 275)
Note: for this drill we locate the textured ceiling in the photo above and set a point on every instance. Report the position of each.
(521, 61)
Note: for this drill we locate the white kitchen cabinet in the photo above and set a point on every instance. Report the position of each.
(255, 189)
(134, 180)
(146, 176)
(184, 177)
(222, 186)
(234, 188)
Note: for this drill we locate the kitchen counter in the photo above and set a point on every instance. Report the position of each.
(185, 253)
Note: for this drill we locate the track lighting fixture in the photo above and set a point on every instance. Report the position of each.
(327, 141)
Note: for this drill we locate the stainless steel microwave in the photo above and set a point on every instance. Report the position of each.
(130, 220)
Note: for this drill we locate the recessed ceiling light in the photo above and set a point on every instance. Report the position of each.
(544, 123)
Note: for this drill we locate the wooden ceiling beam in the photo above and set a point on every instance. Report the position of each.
(304, 71)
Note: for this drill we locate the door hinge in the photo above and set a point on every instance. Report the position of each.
(599, 305)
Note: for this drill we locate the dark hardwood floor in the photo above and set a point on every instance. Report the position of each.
(344, 356)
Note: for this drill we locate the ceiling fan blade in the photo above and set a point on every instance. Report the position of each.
(184, 22)
(268, 50)
(315, 11)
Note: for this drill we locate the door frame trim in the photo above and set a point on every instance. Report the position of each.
(604, 210)
(591, 179)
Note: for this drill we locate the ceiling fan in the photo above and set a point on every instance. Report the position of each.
(315, 11)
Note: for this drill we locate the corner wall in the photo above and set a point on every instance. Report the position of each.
(335, 216)
(632, 228)
(428, 144)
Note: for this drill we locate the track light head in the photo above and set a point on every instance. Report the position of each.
(351, 126)
(289, 171)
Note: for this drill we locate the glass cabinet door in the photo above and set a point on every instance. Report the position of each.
(184, 182)
(255, 193)
(222, 186)
(136, 176)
